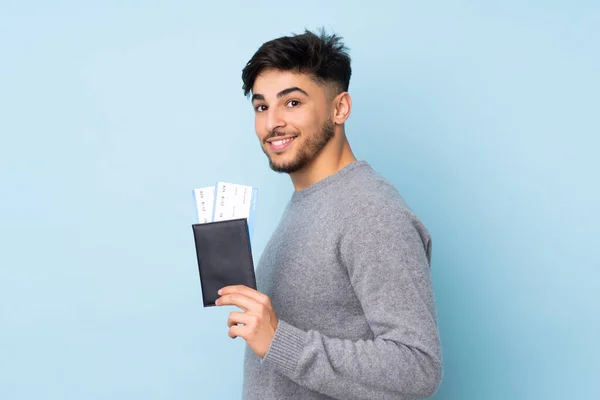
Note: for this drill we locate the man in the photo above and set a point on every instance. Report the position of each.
(344, 307)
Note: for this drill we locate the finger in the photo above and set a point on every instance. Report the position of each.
(243, 302)
(238, 318)
(236, 331)
(244, 290)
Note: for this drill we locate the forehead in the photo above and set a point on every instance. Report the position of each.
(270, 82)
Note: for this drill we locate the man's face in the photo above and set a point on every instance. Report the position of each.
(292, 120)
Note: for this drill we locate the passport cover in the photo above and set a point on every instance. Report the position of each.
(224, 256)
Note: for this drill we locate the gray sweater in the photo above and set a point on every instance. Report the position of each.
(347, 271)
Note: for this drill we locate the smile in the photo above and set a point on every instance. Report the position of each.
(281, 144)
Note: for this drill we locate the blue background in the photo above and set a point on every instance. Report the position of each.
(485, 115)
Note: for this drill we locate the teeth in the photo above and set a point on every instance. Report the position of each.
(280, 142)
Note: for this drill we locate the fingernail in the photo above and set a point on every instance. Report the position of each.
(219, 292)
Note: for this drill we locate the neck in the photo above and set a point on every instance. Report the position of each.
(334, 156)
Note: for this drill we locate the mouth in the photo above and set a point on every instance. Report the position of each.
(280, 144)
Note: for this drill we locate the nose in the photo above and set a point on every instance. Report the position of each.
(274, 119)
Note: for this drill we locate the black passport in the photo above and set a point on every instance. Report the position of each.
(224, 256)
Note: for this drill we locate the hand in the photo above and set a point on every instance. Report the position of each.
(259, 319)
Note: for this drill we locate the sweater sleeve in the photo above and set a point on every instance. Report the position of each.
(387, 256)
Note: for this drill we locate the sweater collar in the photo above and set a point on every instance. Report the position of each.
(329, 180)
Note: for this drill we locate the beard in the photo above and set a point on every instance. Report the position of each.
(304, 155)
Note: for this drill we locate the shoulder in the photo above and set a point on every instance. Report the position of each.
(375, 205)
(369, 193)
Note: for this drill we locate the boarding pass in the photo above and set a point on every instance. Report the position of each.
(225, 201)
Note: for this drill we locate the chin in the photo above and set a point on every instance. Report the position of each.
(287, 166)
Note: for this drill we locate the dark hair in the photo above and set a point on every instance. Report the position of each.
(323, 56)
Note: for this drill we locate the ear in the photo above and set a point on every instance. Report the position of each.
(342, 105)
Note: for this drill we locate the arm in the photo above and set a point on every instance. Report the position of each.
(388, 265)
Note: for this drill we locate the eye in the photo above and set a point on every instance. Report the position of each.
(260, 108)
(293, 103)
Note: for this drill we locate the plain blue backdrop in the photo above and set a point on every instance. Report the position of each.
(485, 115)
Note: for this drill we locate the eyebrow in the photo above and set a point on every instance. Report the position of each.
(258, 96)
